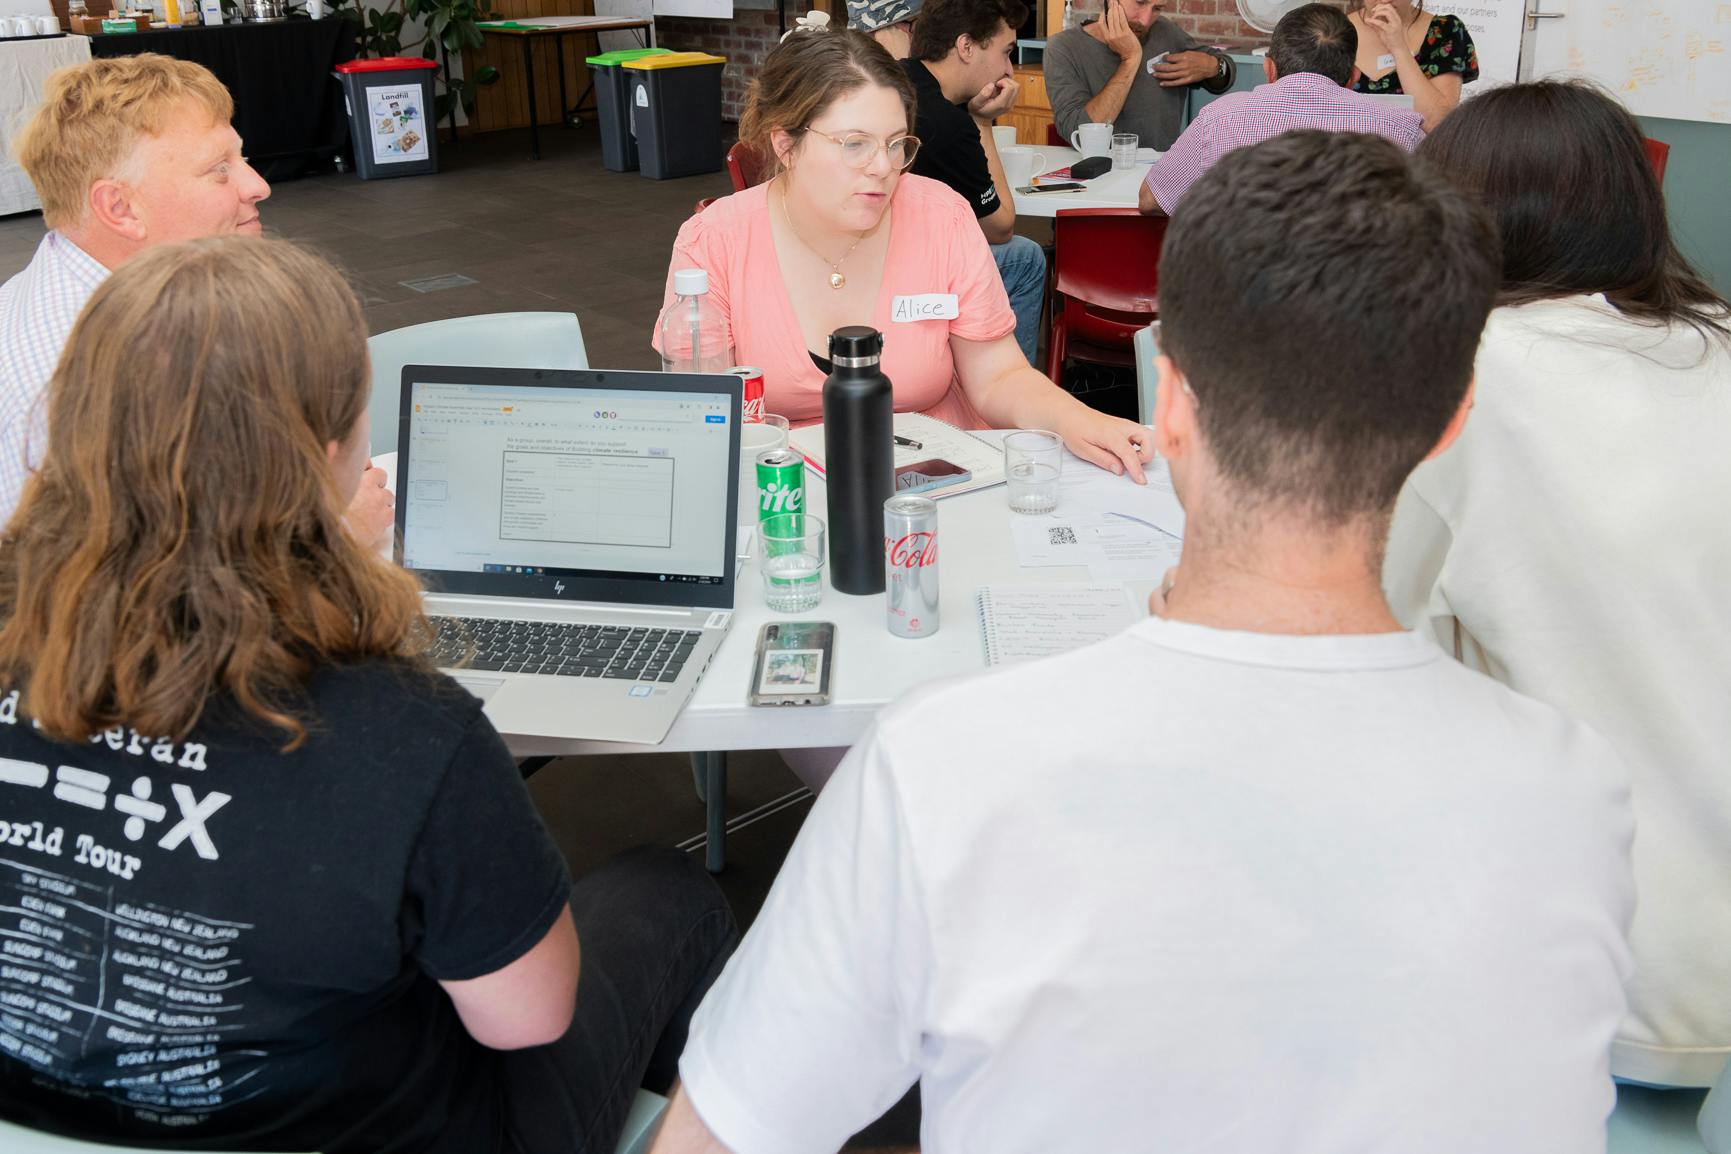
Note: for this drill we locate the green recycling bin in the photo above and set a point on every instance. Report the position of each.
(676, 113)
(613, 106)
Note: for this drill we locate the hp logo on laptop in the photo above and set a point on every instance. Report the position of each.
(558, 588)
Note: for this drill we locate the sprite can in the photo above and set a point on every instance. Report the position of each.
(780, 482)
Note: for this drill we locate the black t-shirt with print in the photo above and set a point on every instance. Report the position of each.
(950, 148)
(215, 944)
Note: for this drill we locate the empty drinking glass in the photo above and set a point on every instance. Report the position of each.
(1124, 150)
(790, 556)
(1032, 460)
(756, 437)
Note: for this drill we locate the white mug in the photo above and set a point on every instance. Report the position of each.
(1092, 139)
(1003, 135)
(23, 25)
(47, 26)
(1019, 164)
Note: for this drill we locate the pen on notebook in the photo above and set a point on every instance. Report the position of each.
(907, 442)
(1150, 524)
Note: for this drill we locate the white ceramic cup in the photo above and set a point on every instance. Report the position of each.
(1092, 139)
(1003, 135)
(1019, 161)
(9, 29)
(47, 26)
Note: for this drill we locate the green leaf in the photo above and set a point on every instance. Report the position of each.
(487, 74)
(441, 21)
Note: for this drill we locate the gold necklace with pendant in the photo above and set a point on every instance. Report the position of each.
(836, 279)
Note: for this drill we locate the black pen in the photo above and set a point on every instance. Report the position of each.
(907, 442)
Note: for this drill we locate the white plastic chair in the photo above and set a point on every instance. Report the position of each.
(646, 1110)
(1146, 378)
(488, 340)
(1716, 1115)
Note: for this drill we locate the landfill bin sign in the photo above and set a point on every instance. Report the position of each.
(398, 126)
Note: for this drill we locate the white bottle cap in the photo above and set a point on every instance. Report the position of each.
(691, 282)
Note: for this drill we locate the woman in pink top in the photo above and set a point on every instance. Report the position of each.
(841, 237)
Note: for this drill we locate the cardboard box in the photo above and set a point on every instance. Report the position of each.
(92, 25)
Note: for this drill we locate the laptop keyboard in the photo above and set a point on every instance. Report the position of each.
(564, 650)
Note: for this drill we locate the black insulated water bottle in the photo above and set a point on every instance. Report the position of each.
(859, 459)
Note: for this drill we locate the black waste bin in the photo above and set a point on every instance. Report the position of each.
(613, 106)
(676, 110)
(390, 105)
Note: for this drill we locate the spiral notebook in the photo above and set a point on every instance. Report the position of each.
(932, 439)
(1024, 622)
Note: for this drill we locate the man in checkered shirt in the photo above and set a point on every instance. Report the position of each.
(1310, 71)
(125, 153)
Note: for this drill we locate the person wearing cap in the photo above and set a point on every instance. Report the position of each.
(889, 22)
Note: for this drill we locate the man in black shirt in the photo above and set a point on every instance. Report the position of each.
(964, 80)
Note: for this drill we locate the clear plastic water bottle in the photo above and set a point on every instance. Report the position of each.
(694, 335)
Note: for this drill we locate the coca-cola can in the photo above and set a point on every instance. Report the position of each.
(752, 411)
(911, 565)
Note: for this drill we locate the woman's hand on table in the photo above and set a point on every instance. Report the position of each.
(1110, 442)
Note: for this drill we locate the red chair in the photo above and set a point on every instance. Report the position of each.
(1658, 152)
(1105, 281)
(703, 204)
(745, 166)
(1052, 136)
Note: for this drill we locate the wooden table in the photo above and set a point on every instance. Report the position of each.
(559, 27)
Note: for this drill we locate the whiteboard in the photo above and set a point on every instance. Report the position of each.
(1660, 57)
(1495, 26)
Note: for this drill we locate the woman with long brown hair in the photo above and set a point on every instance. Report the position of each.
(1574, 542)
(268, 880)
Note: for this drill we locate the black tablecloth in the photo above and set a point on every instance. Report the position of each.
(287, 107)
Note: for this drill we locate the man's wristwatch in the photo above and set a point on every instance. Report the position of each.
(1221, 61)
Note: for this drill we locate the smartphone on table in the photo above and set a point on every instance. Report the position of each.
(930, 474)
(794, 663)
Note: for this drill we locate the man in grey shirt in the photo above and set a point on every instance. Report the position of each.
(1129, 69)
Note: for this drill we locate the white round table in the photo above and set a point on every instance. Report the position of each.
(1117, 188)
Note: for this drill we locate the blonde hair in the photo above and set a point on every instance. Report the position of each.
(184, 539)
(93, 115)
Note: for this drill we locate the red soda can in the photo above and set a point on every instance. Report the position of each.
(911, 565)
(752, 412)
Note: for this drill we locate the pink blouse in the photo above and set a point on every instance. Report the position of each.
(935, 246)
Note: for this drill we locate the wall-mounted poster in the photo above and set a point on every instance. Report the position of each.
(399, 124)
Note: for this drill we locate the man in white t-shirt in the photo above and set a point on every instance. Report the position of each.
(1262, 873)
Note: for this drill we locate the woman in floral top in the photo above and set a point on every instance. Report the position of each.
(1403, 48)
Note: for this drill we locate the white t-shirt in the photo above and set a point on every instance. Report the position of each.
(1192, 890)
(1580, 533)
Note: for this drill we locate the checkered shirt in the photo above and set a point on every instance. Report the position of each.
(38, 308)
(1240, 119)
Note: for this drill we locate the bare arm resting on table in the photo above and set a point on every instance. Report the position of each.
(1011, 394)
(528, 1002)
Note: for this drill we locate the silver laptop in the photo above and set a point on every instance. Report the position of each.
(575, 532)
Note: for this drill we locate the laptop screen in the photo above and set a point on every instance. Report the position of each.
(570, 484)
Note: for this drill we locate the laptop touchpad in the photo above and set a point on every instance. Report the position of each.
(482, 687)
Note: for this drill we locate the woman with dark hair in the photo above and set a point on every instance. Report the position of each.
(842, 232)
(269, 880)
(1575, 542)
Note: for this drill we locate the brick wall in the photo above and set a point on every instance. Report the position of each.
(1214, 22)
(745, 40)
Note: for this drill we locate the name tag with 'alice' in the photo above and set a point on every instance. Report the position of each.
(925, 307)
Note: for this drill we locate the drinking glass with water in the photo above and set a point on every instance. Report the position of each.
(791, 555)
(1032, 460)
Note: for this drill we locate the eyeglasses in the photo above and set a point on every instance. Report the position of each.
(859, 149)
